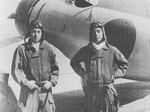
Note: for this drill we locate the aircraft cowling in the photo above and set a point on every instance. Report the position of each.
(122, 34)
(67, 28)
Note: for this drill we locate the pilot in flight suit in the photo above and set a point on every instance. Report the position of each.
(98, 64)
(35, 68)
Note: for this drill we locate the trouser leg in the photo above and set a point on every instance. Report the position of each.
(46, 104)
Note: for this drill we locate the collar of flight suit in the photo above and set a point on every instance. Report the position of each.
(30, 47)
(97, 53)
(104, 47)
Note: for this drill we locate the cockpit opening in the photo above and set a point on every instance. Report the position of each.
(79, 3)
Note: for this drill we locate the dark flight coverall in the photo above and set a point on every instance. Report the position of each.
(100, 68)
(40, 65)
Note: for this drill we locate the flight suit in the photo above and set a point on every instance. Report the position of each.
(100, 68)
(29, 64)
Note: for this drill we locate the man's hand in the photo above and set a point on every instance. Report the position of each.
(47, 85)
(31, 84)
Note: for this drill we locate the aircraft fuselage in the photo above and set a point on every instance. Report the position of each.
(67, 28)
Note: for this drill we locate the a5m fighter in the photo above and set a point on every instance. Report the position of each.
(67, 25)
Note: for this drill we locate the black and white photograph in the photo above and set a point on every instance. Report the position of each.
(75, 56)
